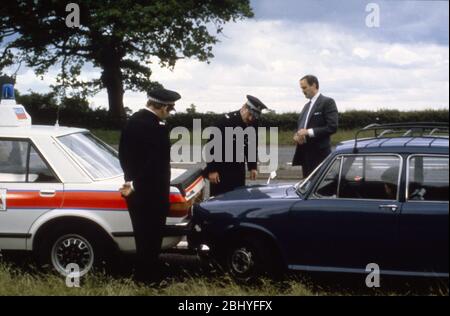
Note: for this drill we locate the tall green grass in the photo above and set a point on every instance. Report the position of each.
(17, 282)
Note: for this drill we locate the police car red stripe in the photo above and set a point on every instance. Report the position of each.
(92, 200)
(33, 200)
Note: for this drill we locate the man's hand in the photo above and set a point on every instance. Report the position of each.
(303, 132)
(253, 174)
(214, 177)
(300, 136)
(126, 190)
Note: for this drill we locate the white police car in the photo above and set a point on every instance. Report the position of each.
(59, 193)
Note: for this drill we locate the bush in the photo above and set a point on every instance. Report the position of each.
(76, 112)
(71, 111)
(347, 120)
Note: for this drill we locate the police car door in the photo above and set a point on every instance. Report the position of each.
(28, 189)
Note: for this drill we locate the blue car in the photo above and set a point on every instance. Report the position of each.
(381, 200)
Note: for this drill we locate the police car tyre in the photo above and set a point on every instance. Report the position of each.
(73, 244)
(249, 258)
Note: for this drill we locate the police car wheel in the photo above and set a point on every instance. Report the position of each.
(72, 249)
(72, 252)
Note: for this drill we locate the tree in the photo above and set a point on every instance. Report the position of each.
(192, 109)
(121, 37)
(35, 102)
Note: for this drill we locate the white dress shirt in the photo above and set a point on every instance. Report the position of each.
(313, 102)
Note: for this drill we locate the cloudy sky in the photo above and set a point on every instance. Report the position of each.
(402, 64)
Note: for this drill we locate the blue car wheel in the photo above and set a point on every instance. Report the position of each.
(249, 258)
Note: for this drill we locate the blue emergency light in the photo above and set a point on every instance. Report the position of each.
(8, 92)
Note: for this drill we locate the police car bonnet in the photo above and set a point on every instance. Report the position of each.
(11, 113)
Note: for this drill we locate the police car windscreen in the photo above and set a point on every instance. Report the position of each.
(99, 160)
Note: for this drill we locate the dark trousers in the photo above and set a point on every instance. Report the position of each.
(311, 160)
(148, 217)
(232, 176)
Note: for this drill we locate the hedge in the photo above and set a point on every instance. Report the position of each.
(76, 112)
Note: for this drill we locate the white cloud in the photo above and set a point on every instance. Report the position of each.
(27, 80)
(266, 59)
(401, 56)
(361, 52)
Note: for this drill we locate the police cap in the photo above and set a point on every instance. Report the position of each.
(163, 96)
(255, 106)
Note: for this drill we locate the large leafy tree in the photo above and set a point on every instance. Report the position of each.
(120, 37)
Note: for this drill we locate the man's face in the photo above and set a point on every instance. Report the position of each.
(308, 91)
(247, 115)
(167, 110)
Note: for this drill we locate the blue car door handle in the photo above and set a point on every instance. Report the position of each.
(391, 207)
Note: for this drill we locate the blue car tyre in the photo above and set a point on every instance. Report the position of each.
(250, 258)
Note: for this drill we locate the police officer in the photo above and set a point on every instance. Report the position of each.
(224, 175)
(145, 158)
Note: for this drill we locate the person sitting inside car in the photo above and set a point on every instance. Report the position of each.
(390, 179)
(418, 194)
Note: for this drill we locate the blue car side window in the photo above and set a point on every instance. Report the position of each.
(370, 177)
(328, 186)
(428, 178)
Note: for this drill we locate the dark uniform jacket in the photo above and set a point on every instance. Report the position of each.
(145, 156)
(323, 120)
(232, 174)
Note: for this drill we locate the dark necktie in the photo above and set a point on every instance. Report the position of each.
(302, 121)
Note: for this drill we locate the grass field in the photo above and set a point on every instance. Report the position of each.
(284, 137)
(16, 282)
(188, 279)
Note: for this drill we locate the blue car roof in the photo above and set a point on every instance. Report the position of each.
(408, 145)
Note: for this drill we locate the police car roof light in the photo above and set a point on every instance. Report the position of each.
(11, 113)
